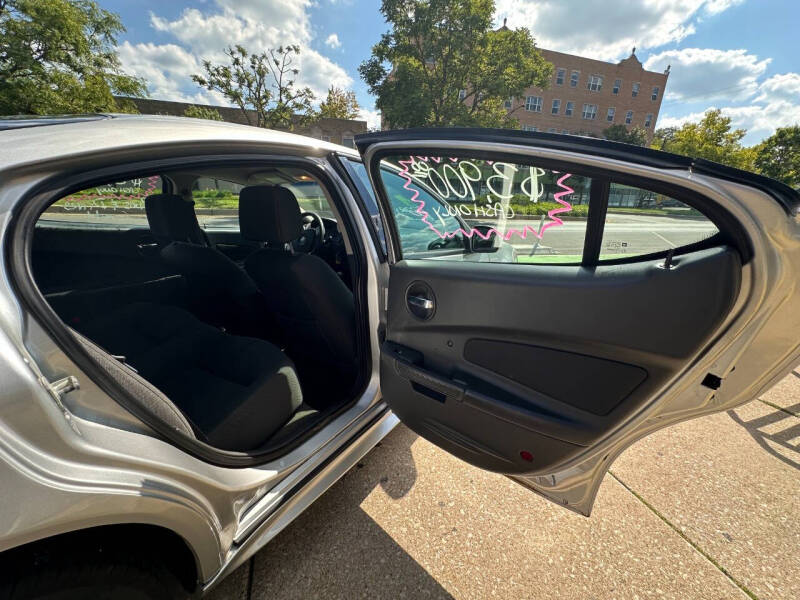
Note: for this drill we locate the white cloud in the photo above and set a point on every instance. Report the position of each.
(332, 41)
(777, 105)
(784, 87)
(203, 35)
(707, 74)
(372, 117)
(607, 30)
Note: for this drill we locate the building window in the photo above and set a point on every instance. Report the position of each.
(573, 78)
(617, 86)
(648, 120)
(565, 131)
(560, 75)
(610, 115)
(635, 90)
(570, 108)
(628, 117)
(530, 128)
(556, 107)
(347, 140)
(325, 138)
(533, 104)
(589, 111)
(595, 83)
(462, 94)
(654, 95)
(551, 130)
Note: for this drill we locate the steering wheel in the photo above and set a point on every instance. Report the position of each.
(313, 233)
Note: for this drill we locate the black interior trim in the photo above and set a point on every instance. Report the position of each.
(595, 223)
(18, 256)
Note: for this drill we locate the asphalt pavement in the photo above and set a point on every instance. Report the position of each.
(707, 509)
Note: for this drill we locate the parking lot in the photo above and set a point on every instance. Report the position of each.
(706, 509)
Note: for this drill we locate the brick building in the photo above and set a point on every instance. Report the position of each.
(337, 131)
(585, 96)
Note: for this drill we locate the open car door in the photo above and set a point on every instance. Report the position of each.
(552, 299)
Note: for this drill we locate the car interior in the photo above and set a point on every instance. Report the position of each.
(225, 293)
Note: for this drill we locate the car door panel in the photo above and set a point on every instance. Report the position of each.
(546, 372)
(563, 352)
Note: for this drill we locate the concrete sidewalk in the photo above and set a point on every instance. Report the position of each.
(705, 509)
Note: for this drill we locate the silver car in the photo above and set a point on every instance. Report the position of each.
(203, 325)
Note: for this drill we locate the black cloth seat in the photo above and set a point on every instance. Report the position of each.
(218, 290)
(235, 391)
(313, 307)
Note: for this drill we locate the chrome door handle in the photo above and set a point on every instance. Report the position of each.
(420, 302)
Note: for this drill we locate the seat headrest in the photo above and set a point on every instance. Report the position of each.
(172, 219)
(269, 213)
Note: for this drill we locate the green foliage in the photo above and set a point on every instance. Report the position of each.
(712, 139)
(262, 82)
(202, 112)
(59, 57)
(435, 49)
(619, 133)
(779, 156)
(339, 104)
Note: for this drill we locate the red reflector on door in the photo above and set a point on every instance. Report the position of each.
(525, 455)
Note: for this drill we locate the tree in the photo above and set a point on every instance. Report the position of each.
(58, 56)
(778, 156)
(663, 137)
(442, 64)
(263, 83)
(712, 139)
(339, 104)
(619, 133)
(203, 112)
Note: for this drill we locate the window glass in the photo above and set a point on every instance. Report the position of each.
(589, 111)
(617, 85)
(573, 78)
(569, 109)
(643, 222)
(556, 107)
(347, 140)
(533, 103)
(530, 128)
(509, 103)
(610, 115)
(358, 172)
(635, 90)
(480, 210)
(648, 120)
(628, 117)
(595, 83)
(216, 201)
(560, 74)
(116, 205)
(654, 95)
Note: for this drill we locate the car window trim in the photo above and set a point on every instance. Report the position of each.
(730, 230)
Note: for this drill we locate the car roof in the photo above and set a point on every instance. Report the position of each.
(33, 140)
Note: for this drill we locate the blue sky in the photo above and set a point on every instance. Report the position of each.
(739, 55)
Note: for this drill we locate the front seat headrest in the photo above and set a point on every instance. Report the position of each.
(269, 213)
(172, 219)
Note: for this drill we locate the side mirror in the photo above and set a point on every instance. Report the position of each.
(487, 241)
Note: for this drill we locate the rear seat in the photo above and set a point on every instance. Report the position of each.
(235, 391)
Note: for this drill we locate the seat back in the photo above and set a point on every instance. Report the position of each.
(219, 292)
(312, 305)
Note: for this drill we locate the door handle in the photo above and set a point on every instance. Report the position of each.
(420, 302)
